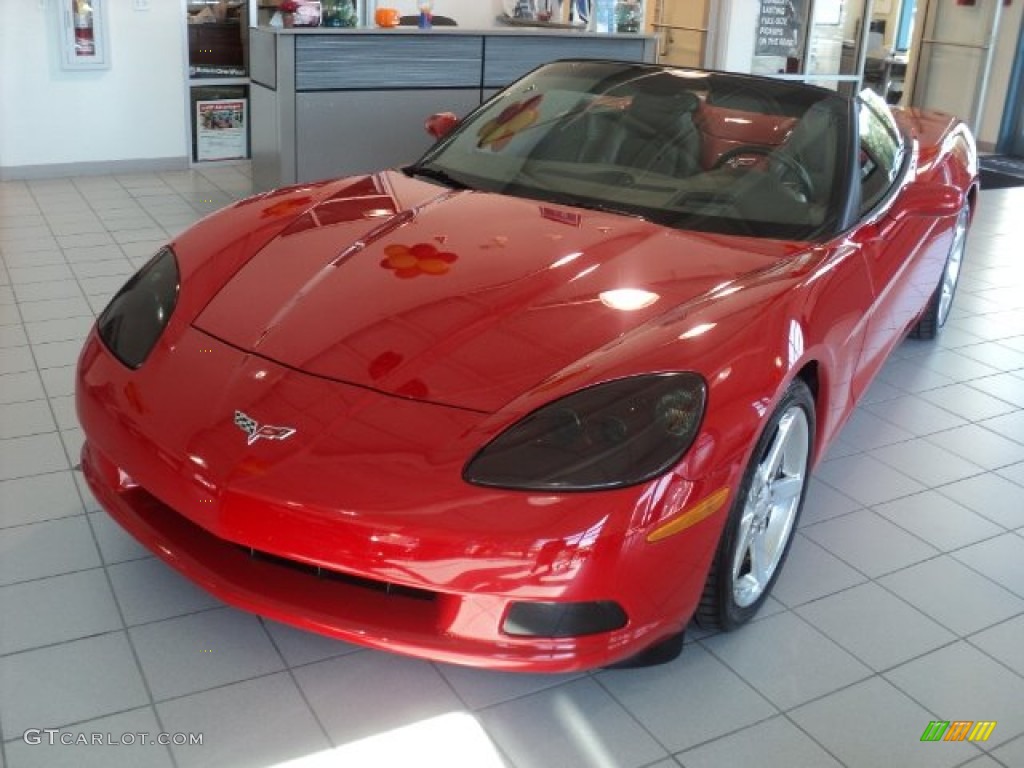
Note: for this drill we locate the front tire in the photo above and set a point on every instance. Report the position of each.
(764, 514)
(937, 310)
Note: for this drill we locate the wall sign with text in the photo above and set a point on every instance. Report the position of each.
(779, 27)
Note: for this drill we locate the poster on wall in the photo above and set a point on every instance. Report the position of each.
(778, 28)
(221, 129)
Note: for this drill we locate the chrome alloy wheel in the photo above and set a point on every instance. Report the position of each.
(952, 272)
(771, 507)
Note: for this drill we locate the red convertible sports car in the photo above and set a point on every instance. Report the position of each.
(539, 399)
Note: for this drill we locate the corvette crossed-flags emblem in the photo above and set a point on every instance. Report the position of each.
(255, 430)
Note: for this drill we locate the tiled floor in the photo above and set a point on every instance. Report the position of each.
(902, 602)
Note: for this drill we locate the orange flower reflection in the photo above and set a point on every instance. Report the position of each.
(419, 259)
(497, 133)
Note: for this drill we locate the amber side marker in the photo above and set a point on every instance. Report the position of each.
(692, 516)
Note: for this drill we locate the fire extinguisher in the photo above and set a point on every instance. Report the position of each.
(85, 42)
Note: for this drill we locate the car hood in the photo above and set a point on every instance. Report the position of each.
(460, 297)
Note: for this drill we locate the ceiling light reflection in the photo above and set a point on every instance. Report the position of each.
(628, 299)
(697, 330)
(566, 260)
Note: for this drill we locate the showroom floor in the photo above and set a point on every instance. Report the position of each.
(902, 601)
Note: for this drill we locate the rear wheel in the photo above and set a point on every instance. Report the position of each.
(937, 311)
(764, 513)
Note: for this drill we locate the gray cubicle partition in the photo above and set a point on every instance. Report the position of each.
(335, 102)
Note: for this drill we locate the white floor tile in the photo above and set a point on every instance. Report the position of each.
(869, 543)
(775, 743)
(873, 724)
(938, 520)
(19, 387)
(980, 446)
(62, 684)
(61, 608)
(149, 590)
(49, 548)
(926, 462)
(959, 682)
(257, 722)
(29, 418)
(116, 546)
(811, 572)
(879, 629)
(576, 724)
(786, 660)
(393, 692)
(299, 647)
(1001, 559)
(867, 480)
(37, 498)
(916, 415)
(655, 696)
(994, 497)
(480, 688)
(129, 750)
(204, 650)
(954, 595)
(1003, 643)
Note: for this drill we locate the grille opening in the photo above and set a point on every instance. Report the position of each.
(386, 587)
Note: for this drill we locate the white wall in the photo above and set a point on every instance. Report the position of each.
(134, 110)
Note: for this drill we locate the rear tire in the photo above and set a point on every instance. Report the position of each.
(936, 312)
(763, 516)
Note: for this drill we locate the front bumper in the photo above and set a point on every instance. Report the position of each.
(410, 563)
(447, 627)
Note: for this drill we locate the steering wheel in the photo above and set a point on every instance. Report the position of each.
(789, 165)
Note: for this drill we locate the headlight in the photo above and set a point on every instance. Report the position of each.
(607, 436)
(138, 314)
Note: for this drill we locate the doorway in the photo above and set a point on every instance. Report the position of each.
(682, 27)
(1011, 128)
(954, 56)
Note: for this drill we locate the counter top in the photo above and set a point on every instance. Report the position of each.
(502, 31)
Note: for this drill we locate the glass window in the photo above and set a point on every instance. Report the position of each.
(881, 150)
(692, 150)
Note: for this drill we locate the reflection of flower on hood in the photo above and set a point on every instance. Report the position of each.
(288, 6)
(419, 259)
(514, 118)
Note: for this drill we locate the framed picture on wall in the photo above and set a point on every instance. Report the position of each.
(83, 34)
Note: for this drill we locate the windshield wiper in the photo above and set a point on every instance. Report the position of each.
(435, 174)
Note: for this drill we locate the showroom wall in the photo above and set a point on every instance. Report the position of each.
(53, 121)
(134, 110)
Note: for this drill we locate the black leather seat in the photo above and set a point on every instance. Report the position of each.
(659, 134)
(655, 133)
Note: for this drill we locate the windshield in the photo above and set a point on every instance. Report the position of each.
(687, 149)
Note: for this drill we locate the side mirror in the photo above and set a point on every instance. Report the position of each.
(441, 124)
(933, 200)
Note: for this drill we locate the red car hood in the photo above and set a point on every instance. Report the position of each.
(462, 298)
